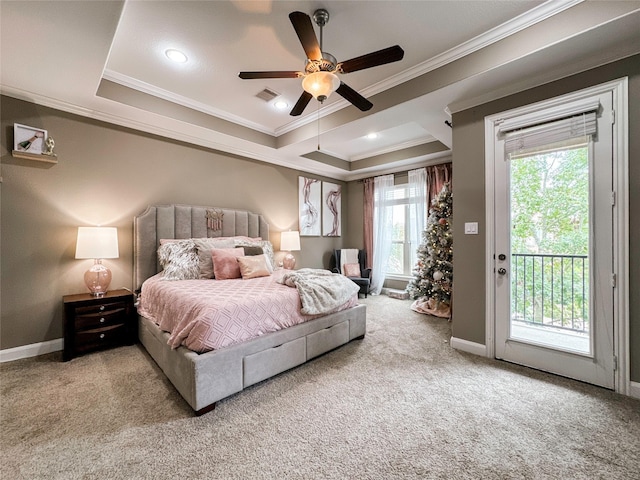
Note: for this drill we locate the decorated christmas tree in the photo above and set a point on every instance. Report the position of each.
(432, 281)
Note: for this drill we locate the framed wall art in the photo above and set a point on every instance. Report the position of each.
(29, 139)
(332, 209)
(309, 199)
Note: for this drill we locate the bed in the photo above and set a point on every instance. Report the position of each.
(205, 378)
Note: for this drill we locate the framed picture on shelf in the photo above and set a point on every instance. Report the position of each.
(332, 209)
(29, 139)
(309, 206)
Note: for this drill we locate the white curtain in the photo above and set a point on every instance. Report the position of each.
(417, 208)
(382, 230)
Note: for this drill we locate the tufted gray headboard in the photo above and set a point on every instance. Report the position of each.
(184, 221)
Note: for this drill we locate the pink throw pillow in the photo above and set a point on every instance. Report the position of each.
(352, 269)
(225, 262)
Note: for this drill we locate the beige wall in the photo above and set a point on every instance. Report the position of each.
(41, 205)
(469, 198)
(354, 237)
(107, 174)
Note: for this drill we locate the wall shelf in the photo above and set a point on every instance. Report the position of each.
(34, 156)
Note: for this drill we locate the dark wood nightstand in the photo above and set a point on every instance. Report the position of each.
(93, 323)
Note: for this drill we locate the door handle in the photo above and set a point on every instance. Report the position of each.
(502, 271)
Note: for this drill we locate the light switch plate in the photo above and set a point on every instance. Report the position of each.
(471, 228)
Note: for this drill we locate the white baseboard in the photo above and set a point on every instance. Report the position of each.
(32, 350)
(469, 347)
(634, 389)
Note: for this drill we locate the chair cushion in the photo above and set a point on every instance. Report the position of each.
(352, 269)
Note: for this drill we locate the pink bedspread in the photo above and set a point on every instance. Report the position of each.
(203, 315)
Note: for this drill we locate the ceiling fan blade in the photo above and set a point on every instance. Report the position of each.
(304, 28)
(275, 74)
(301, 104)
(381, 57)
(354, 97)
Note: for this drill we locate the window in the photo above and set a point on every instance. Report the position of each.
(403, 203)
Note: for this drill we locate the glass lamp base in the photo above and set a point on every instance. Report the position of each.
(289, 261)
(97, 279)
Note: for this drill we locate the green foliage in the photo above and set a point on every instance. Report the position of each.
(549, 216)
(550, 203)
(551, 290)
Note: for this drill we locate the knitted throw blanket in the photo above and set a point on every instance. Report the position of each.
(321, 291)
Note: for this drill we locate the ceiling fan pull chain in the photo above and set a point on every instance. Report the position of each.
(318, 126)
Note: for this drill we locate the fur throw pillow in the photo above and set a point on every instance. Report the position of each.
(179, 260)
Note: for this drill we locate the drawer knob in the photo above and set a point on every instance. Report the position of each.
(101, 319)
(101, 308)
(102, 335)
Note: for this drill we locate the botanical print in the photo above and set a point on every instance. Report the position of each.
(331, 196)
(309, 206)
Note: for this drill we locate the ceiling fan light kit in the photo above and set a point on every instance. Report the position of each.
(321, 84)
(320, 77)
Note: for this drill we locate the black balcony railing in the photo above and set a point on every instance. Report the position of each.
(551, 290)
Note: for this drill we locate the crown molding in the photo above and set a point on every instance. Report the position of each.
(394, 148)
(521, 22)
(402, 166)
(295, 163)
(382, 151)
(160, 125)
(545, 77)
(149, 89)
(513, 26)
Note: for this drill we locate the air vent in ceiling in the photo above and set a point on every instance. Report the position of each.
(267, 95)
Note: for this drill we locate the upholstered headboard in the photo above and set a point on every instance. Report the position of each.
(186, 221)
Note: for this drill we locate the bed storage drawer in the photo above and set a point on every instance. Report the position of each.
(265, 364)
(327, 339)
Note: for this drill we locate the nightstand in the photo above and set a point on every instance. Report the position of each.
(93, 323)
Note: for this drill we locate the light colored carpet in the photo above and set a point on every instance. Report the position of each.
(400, 404)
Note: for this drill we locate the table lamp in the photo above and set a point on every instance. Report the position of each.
(97, 243)
(289, 241)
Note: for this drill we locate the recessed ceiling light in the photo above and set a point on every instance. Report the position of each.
(372, 136)
(176, 55)
(281, 105)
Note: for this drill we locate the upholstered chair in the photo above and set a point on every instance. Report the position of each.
(358, 273)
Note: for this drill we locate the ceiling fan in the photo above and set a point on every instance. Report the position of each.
(319, 78)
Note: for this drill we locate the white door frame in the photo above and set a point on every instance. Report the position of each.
(619, 88)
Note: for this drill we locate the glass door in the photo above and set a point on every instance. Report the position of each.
(554, 255)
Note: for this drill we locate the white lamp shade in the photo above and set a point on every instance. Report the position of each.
(97, 242)
(290, 241)
(321, 84)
